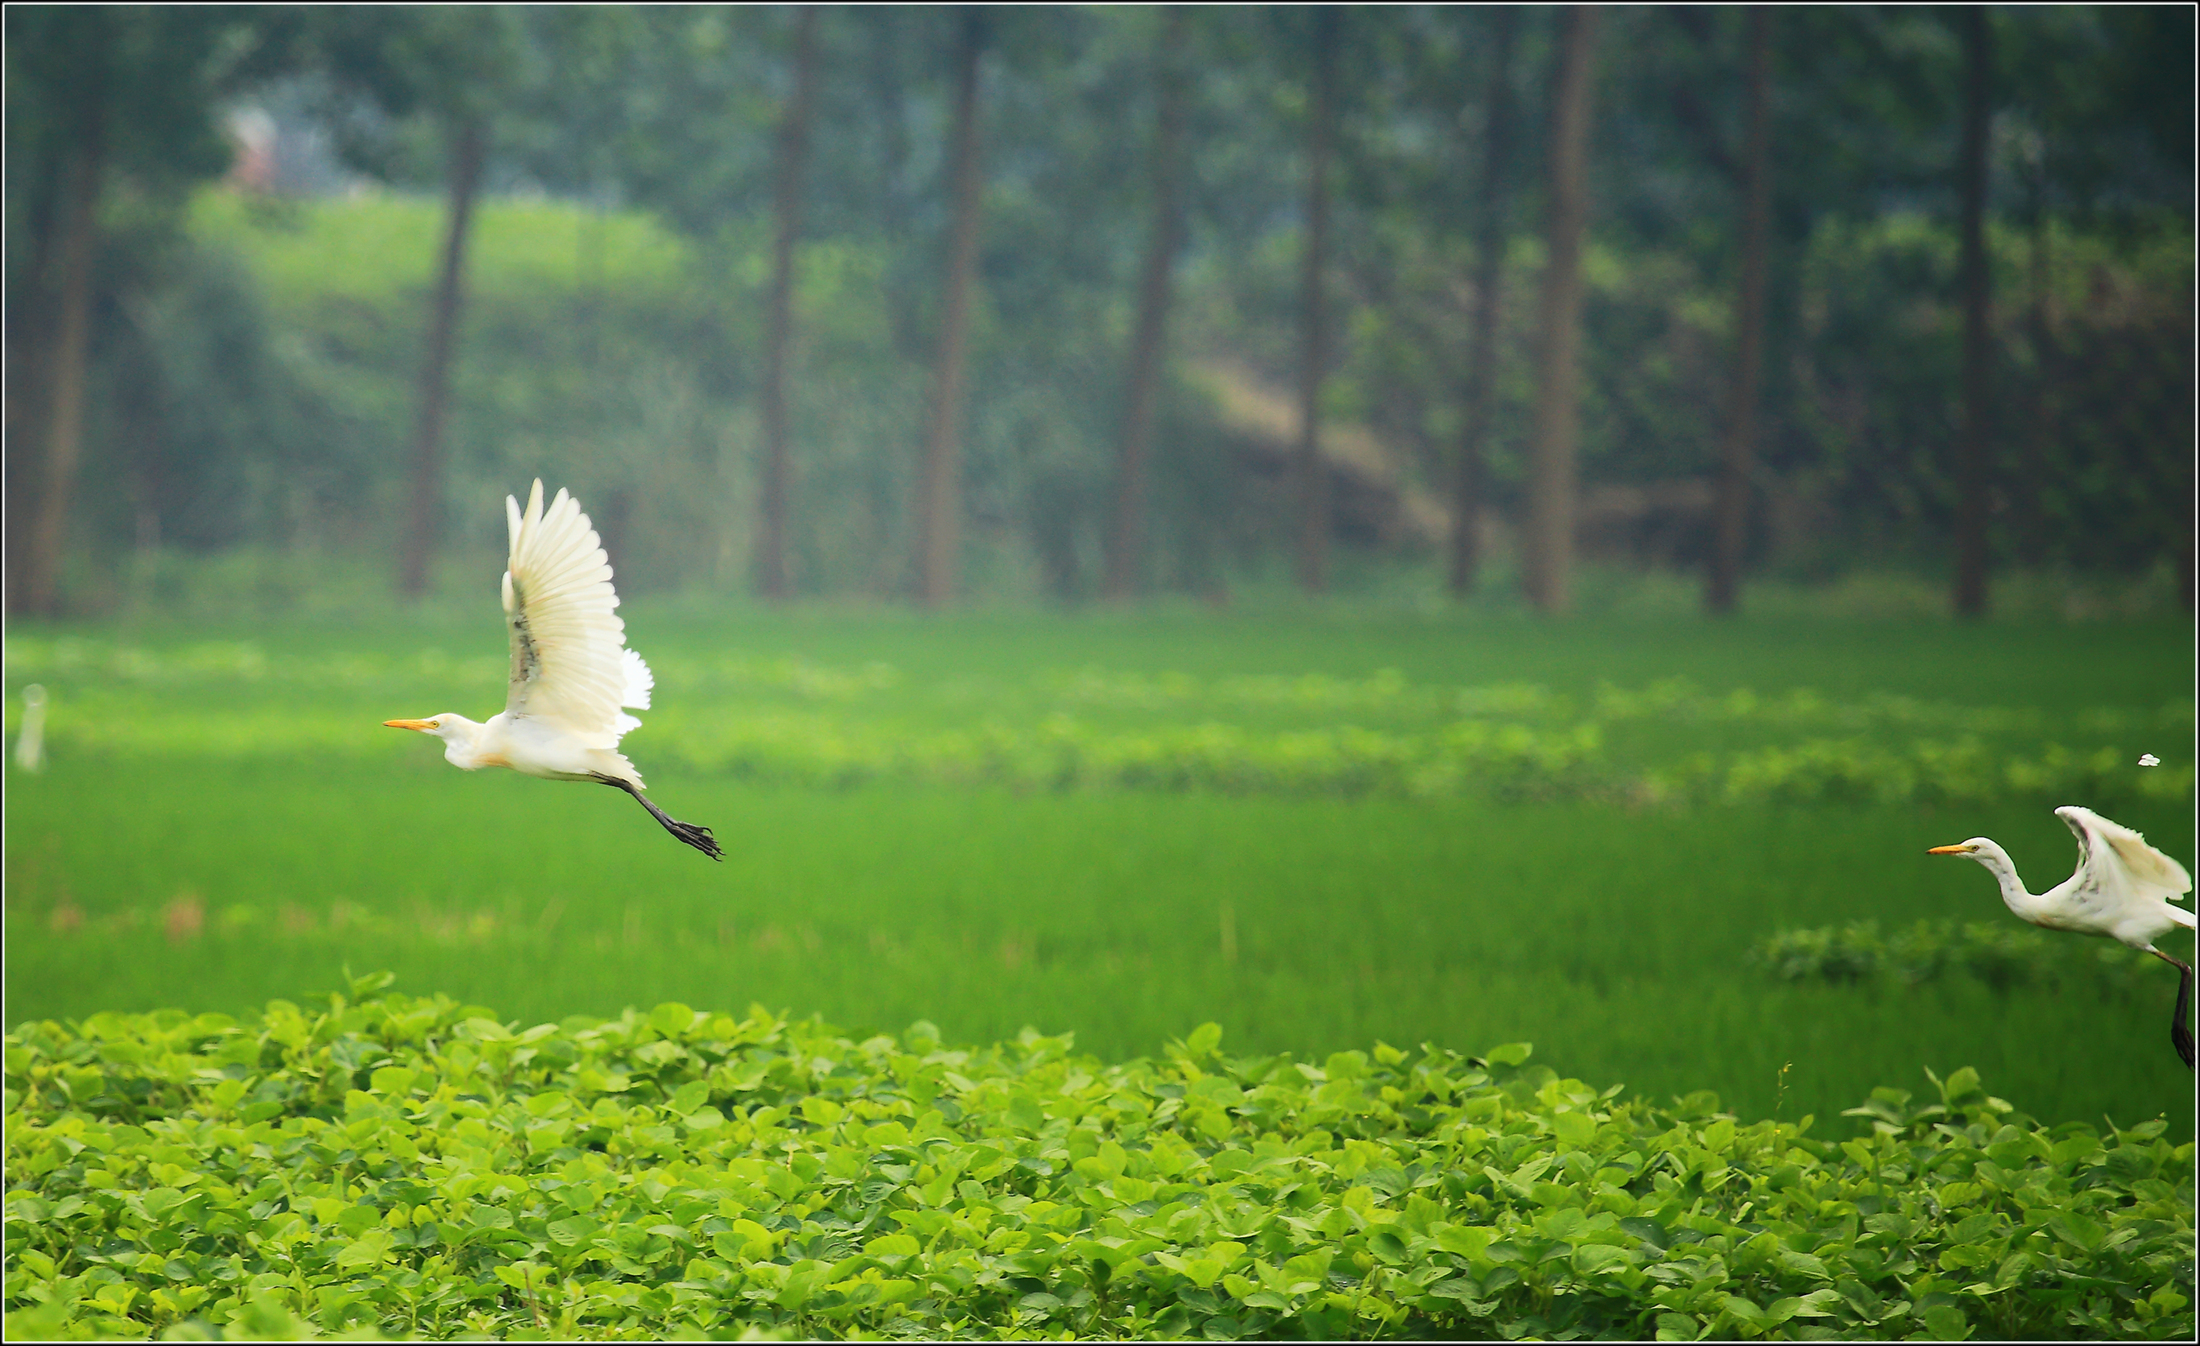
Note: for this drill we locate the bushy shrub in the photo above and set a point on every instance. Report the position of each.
(2000, 953)
(406, 1166)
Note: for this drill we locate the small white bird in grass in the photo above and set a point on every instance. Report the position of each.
(571, 670)
(30, 740)
(2123, 889)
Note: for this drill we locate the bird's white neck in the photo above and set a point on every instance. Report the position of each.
(462, 745)
(2004, 870)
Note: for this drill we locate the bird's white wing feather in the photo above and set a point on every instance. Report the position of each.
(570, 663)
(2150, 870)
(638, 682)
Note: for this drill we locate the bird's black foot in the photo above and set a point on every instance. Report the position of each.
(694, 834)
(698, 836)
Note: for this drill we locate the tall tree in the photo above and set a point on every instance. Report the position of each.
(940, 481)
(1126, 536)
(1311, 477)
(1489, 271)
(1551, 484)
(793, 154)
(2041, 335)
(1973, 473)
(98, 98)
(64, 420)
(1730, 508)
(424, 496)
(446, 71)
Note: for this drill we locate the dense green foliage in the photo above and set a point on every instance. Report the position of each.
(417, 1167)
(223, 822)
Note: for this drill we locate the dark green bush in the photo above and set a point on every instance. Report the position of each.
(2002, 954)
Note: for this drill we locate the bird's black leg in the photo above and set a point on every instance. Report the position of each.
(2180, 1033)
(694, 834)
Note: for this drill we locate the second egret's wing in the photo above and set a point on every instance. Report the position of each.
(569, 657)
(2112, 842)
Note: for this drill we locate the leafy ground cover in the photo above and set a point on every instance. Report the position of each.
(408, 1166)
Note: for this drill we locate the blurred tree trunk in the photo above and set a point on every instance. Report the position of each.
(938, 485)
(1489, 274)
(2040, 333)
(65, 367)
(884, 512)
(590, 240)
(1972, 475)
(794, 145)
(29, 307)
(1550, 533)
(19, 488)
(1311, 478)
(1126, 538)
(1730, 510)
(425, 498)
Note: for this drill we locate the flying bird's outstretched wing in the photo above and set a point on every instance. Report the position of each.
(2150, 870)
(570, 663)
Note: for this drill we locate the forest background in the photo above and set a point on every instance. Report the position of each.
(1075, 299)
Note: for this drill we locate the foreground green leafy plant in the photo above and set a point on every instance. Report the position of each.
(416, 1167)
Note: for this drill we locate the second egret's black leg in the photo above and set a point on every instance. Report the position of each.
(2180, 1033)
(694, 834)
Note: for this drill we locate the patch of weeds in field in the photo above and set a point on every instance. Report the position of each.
(185, 918)
(232, 660)
(405, 1166)
(1996, 953)
(1854, 770)
(1312, 734)
(1482, 758)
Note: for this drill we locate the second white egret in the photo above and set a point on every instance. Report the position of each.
(2123, 889)
(573, 678)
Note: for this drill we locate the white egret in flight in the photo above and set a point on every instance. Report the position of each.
(571, 670)
(2123, 889)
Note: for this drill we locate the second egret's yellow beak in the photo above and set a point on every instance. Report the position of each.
(422, 725)
(1961, 849)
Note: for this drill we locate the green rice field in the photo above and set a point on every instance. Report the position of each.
(1318, 830)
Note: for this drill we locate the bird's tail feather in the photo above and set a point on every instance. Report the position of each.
(2181, 916)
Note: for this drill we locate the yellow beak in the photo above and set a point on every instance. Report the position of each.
(422, 725)
(1951, 850)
